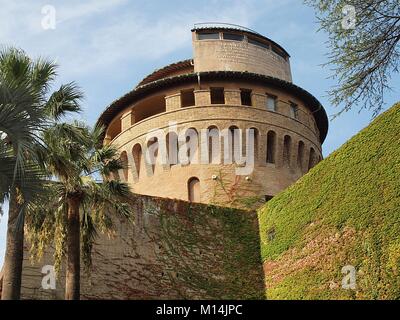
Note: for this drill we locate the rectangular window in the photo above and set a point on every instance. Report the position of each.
(271, 102)
(187, 98)
(278, 52)
(233, 36)
(217, 95)
(259, 43)
(208, 36)
(294, 110)
(245, 97)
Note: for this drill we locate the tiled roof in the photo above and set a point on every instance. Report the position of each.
(159, 73)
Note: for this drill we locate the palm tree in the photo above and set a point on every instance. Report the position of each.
(17, 180)
(81, 199)
(26, 109)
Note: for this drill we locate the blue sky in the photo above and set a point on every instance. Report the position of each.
(107, 46)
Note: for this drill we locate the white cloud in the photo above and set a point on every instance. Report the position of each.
(86, 9)
(98, 34)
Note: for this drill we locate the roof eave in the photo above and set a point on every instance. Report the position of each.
(311, 102)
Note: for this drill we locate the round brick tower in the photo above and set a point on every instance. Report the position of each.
(191, 129)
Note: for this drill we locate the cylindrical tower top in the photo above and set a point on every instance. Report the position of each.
(227, 47)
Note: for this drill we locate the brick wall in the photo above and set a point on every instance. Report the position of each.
(174, 250)
(266, 178)
(215, 55)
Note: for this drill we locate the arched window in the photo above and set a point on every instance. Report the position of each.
(287, 145)
(152, 149)
(271, 146)
(172, 148)
(124, 161)
(235, 147)
(256, 143)
(300, 155)
(311, 160)
(137, 157)
(194, 189)
(213, 140)
(294, 110)
(192, 145)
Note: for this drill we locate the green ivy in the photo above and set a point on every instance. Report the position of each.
(211, 252)
(353, 192)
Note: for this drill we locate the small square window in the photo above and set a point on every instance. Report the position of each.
(208, 36)
(233, 36)
(278, 52)
(217, 95)
(259, 43)
(245, 97)
(271, 102)
(187, 98)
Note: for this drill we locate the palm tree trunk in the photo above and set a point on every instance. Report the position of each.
(72, 285)
(11, 289)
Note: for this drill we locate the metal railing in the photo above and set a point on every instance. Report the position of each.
(205, 25)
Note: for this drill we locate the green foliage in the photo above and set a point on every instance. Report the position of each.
(26, 110)
(346, 210)
(209, 251)
(64, 100)
(73, 159)
(21, 116)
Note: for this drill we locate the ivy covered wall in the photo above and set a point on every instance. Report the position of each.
(174, 250)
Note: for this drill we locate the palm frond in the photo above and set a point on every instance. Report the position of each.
(15, 65)
(88, 236)
(97, 135)
(42, 74)
(117, 188)
(42, 218)
(64, 100)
